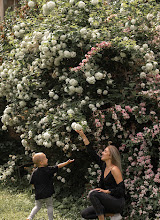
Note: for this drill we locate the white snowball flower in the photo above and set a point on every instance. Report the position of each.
(87, 74)
(109, 82)
(73, 54)
(142, 75)
(105, 92)
(63, 37)
(142, 85)
(145, 46)
(91, 106)
(145, 28)
(46, 135)
(71, 1)
(51, 94)
(63, 180)
(22, 103)
(46, 11)
(68, 170)
(72, 89)
(94, 2)
(133, 21)
(31, 4)
(79, 90)
(67, 54)
(98, 105)
(81, 4)
(30, 134)
(108, 124)
(4, 127)
(73, 125)
(73, 82)
(91, 80)
(54, 42)
(17, 34)
(8, 110)
(50, 5)
(83, 102)
(24, 142)
(136, 47)
(149, 66)
(83, 31)
(55, 97)
(99, 76)
(99, 91)
(90, 20)
(156, 71)
(19, 87)
(150, 16)
(70, 112)
(96, 166)
(125, 38)
(47, 144)
(122, 54)
(68, 129)
(3, 74)
(78, 127)
(133, 27)
(16, 28)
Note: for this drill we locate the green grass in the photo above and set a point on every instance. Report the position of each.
(17, 206)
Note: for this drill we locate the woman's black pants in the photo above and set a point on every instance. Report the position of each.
(102, 203)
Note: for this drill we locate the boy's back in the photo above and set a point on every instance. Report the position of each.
(42, 179)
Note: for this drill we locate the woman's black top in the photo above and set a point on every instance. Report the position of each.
(107, 183)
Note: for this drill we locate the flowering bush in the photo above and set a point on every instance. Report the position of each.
(90, 65)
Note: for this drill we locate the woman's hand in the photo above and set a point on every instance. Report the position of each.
(83, 136)
(80, 132)
(103, 190)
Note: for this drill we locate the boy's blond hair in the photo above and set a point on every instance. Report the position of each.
(37, 158)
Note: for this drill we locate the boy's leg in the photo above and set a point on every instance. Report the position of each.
(49, 204)
(38, 205)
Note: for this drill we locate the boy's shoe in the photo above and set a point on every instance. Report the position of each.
(116, 217)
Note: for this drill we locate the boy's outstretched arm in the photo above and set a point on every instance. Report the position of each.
(65, 163)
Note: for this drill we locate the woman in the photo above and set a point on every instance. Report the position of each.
(109, 197)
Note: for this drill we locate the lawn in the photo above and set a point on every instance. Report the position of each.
(17, 206)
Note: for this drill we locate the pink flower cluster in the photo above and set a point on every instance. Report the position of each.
(141, 189)
(99, 119)
(91, 53)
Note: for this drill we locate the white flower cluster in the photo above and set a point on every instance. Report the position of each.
(72, 87)
(76, 126)
(94, 2)
(81, 4)
(48, 8)
(4, 173)
(19, 30)
(31, 4)
(94, 174)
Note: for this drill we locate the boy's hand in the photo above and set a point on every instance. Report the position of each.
(70, 161)
(65, 163)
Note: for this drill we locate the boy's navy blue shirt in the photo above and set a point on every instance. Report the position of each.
(42, 179)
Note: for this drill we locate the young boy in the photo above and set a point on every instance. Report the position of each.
(42, 180)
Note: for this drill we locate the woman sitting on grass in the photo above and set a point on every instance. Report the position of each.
(109, 197)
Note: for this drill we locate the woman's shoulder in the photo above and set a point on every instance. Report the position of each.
(115, 170)
(117, 174)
